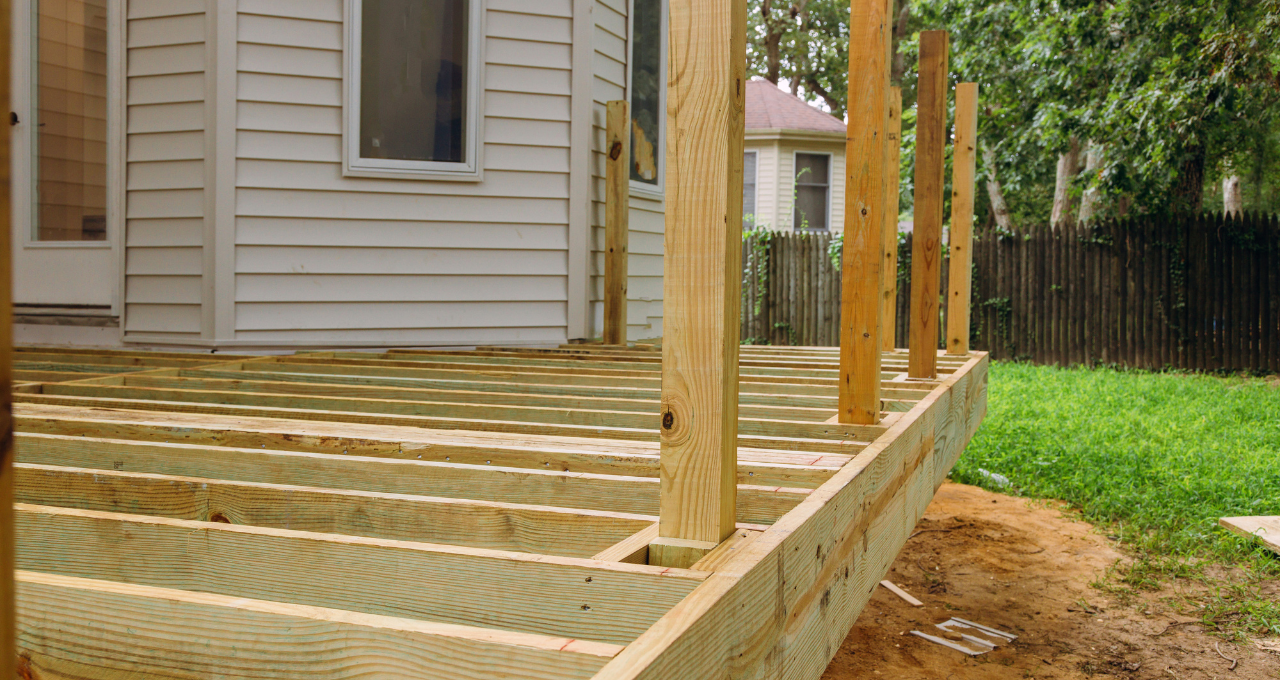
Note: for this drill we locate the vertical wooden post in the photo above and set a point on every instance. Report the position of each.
(8, 623)
(617, 200)
(963, 166)
(864, 212)
(892, 158)
(926, 251)
(702, 278)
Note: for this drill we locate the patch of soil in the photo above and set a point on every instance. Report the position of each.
(1025, 568)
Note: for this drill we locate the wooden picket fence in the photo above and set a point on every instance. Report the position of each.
(791, 289)
(1192, 292)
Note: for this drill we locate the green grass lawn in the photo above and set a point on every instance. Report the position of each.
(1153, 458)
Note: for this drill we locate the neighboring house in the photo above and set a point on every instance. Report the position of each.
(322, 173)
(794, 163)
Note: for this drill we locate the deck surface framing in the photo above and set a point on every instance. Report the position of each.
(519, 485)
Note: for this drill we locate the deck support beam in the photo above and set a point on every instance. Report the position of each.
(892, 161)
(617, 201)
(702, 277)
(963, 166)
(862, 286)
(926, 251)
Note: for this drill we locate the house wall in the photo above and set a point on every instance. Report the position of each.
(320, 256)
(777, 179)
(306, 255)
(165, 176)
(646, 217)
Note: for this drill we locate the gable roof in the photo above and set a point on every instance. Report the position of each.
(769, 108)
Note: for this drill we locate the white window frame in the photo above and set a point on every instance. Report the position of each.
(471, 170)
(755, 208)
(644, 189)
(831, 168)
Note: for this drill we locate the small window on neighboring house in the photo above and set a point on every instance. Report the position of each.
(813, 191)
(648, 84)
(749, 189)
(413, 84)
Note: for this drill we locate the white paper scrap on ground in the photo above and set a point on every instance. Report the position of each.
(975, 638)
(902, 594)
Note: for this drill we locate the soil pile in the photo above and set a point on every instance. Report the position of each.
(1025, 568)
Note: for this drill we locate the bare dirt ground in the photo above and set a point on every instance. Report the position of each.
(1025, 568)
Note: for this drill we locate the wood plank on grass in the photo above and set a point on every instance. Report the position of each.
(1264, 529)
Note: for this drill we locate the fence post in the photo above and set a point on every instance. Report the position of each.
(701, 283)
(963, 167)
(860, 324)
(926, 256)
(617, 199)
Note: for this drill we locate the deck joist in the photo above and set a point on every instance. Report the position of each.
(462, 514)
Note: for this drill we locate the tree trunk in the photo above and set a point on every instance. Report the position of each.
(899, 66)
(1068, 167)
(1232, 195)
(772, 42)
(1089, 202)
(1188, 192)
(999, 208)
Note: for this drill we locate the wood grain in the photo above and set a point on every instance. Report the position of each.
(702, 268)
(926, 250)
(7, 631)
(862, 287)
(88, 628)
(963, 168)
(558, 596)
(617, 208)
(892, 161)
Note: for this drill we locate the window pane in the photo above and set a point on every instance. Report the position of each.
(811, 208)
(71, 119)
(812, 168)
(646, 90)
(413, 80)
(748, 188)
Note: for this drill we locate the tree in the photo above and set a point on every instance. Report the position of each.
(1172, 88)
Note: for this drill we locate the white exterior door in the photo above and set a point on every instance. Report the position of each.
(65, 240)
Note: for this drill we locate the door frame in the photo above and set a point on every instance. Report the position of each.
(22, 87)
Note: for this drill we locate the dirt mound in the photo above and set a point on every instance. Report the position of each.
(1025, 568)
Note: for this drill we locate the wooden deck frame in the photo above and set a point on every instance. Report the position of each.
(516, 531)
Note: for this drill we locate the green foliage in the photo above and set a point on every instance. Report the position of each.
(1171, 88)
(1156, 458)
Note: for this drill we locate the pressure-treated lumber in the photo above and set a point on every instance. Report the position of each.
(889, 267)
(963, 167)
(581, 491)
(1264, 529)
(633, 549)
(617, 205)
(81, 628)
(926, 245)
(756, 466)
(702, 270)
(557, 596)
(782, 606)
(403, 517)
(7, 595)
(864, 213)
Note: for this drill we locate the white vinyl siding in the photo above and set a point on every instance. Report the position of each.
(785, 178)
(644, 262)
(323, 257)
(164, 214)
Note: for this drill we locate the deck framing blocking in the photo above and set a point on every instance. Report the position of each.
(139, 485)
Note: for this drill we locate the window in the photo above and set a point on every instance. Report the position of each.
(71, 120)
(813, 191)
(648, 87)
(749, 159)
(413, 88)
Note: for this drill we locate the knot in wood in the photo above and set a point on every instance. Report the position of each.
(615, 151)
(668, 419)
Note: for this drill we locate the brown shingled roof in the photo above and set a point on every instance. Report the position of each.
(769, 108)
